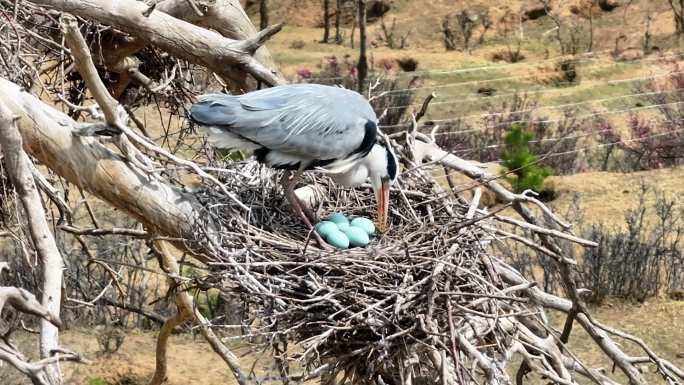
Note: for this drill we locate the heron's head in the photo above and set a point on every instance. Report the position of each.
(383, 172)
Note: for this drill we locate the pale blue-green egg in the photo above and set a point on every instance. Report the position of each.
(338, 218)
(337, 239)
(357, 237)
(364, 224)
(342, 226)
(325, 227)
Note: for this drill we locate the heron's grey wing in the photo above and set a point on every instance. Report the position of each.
(311, 121)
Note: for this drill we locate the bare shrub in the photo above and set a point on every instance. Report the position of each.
(391, 37)
(661, 140)
(466, 21)
(297, 44)
(509, 55)
(571, 34)
(408, 64)
(110, 339)
(640, 261)
(510, 28)
(651, 142)
(636, 262)
(555, 142)
(483, 141)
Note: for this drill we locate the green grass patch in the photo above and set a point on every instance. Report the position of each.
(97, 381)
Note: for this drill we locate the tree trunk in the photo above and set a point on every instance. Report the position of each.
(647, 35)
(263, 14)
(338, 21)
(18, 167)
(326, 21)
(353, 33)
(591, 30)
(362, 66)
(678, 14)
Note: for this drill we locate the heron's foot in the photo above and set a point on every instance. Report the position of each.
(307, 217)
(321, 243)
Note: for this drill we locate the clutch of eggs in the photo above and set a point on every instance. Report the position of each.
(342, 234)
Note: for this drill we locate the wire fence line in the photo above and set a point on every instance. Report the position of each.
(542, 157)
(542, 140)
(532, 76)
(587, 56)
(556, 106)
(533, 92)
(630, 140)
(595, 114)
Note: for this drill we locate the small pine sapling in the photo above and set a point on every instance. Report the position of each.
(520, 166)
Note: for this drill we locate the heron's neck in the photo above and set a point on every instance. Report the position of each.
(370, 165)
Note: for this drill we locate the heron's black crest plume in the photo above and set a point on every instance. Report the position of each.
(392, 165)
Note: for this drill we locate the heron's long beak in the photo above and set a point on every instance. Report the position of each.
(383, 204)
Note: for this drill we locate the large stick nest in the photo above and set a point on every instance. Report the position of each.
(366, 310)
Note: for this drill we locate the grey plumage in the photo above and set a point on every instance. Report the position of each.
(301, 127)
(292, 123)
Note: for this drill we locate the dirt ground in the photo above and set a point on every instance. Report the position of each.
(191, 362)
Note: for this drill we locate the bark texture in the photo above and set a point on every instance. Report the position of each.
(181, 38)
(19, 169)
(84, 161)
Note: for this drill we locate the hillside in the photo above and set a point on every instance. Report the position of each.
(604, 74)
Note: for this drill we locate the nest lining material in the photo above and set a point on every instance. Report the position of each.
(365, 308)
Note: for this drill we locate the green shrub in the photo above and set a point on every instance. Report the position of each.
(207, 303)
(97, 381)
(520, 166)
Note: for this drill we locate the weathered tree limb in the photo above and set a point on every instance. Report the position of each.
(20, 173)
(180, 38)
(160, 375)
(113, 112)
(26, 302)
(35, 370)
(425, 148)
(607, 344)
(545, 231)
(429, 150)
(186, 306)
(84, 63)
(85, 162)
(228, 18)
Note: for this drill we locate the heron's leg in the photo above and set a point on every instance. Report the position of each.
(290, 183)
(297, 206)
(305, 208)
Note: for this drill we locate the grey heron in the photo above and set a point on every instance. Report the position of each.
(303, 127)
